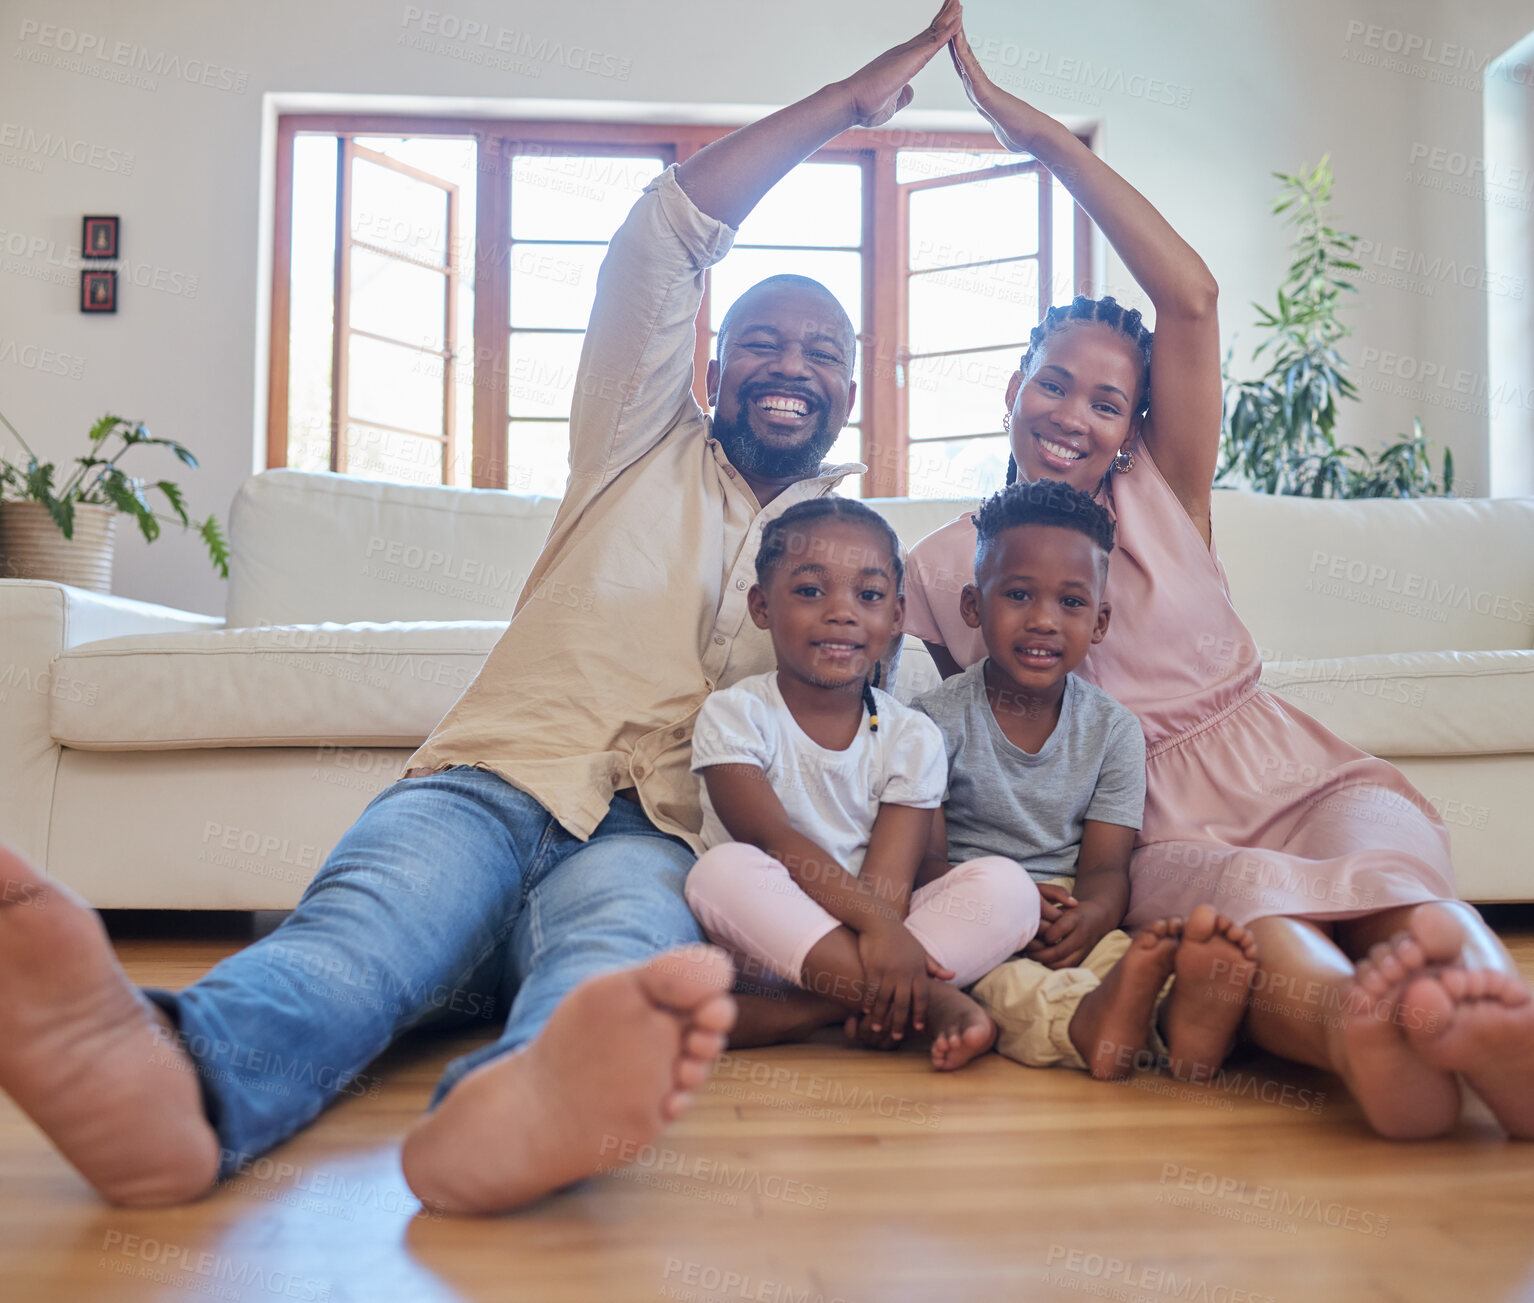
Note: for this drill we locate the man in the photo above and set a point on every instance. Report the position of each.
(535, 852)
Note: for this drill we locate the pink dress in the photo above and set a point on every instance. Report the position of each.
(1250, 804)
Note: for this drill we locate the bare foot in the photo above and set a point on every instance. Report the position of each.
(1214, 969)
(1403, 1095)
(1111, 1025)
(781, 1018)
(960, 1029)
(1479, 1023)
(87, 1057)
(621, 1057)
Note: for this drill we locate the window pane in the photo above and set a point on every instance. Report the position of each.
(930, 164)
(537, 457)
(313, 295)
(960, 393)
(848, 447)
(399, 213)
(816, 203)
(450, 157)
(376, 454)
(973, 307)
(552, 285)
(841, 273)
(975, 221)
(398, 299)
(540, 374)
(957, 468)
(575, 197)
(1062, 220)
(394, 385)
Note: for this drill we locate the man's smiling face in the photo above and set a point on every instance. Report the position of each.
(782, 384)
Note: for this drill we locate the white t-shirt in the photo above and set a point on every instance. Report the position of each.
(831, 797)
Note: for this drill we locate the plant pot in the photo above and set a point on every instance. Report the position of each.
(33, 547)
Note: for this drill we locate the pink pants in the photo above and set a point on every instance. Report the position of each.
(976, 916)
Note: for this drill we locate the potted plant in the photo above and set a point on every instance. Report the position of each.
(1278, 435)
(64, 531)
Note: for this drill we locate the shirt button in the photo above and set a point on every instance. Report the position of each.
(639, 771)
(679, 733)
(740, 583)
(718, 640)
(730, 471)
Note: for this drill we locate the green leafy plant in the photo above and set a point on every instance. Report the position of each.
(97, 479)
(1279, 433)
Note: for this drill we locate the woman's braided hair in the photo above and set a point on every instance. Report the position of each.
(1110, 312)
(776, 546)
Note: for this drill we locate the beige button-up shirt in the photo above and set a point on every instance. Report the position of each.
(636, 608)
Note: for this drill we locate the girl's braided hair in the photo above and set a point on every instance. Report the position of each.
(1110, 312)
(777, 544)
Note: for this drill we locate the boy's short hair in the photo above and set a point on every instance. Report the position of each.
(1041, 502)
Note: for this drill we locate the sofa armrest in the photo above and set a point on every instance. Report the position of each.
(41, 620)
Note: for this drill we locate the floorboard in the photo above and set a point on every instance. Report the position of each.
(812, 1173)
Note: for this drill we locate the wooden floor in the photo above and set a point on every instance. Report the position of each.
(811, 1173)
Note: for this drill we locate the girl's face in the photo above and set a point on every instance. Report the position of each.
(830, 603)
(1074, 413)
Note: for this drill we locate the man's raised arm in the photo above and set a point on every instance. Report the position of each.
(635, 375)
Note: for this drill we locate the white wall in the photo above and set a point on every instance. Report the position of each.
(1266, 86)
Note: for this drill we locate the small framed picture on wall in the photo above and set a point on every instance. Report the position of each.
(98, 291)
(98, 239)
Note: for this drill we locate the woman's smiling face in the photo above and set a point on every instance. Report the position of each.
(1076, 410)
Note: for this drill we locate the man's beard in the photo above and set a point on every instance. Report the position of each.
(749, 455)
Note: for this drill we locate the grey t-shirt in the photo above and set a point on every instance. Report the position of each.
(1032, 808)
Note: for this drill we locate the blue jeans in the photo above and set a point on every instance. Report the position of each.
(454, 898)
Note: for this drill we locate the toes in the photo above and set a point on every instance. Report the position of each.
(716, 1014)
(705, 1045)
(675, 1104)
(1200, 925)
(1386, 963)
(1427, 1007)
(1439, 933)
(1371, 979)
(688, 977)
(689, 1074)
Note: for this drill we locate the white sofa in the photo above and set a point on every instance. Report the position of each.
(152, 758)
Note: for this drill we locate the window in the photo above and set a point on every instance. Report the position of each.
(433, 279)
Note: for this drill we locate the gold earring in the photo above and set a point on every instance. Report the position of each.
(1006, 422)
(1124, 461)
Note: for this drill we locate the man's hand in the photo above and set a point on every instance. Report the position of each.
(896, 968)
(1070, 938)
(1014, 121)
(880, 89)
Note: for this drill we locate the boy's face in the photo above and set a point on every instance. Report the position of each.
(1037, 602)
(830, 604)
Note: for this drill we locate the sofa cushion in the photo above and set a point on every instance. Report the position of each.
(1417, 703)
(293, 685)
(1325, 578)
(308, 546)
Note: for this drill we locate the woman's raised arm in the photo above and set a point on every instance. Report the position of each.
(1183, 427)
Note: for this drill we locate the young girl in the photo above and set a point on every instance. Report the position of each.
(819, 792)
(1369, 966)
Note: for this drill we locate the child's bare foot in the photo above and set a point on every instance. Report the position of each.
(778, 1019)
(1111, 1025)
(1213, 977)
(621, 1057)
(1404, 1096)
(1479, 1023)
(960, 1029)
(87, 1057)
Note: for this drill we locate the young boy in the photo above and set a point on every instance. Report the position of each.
(1049, 770)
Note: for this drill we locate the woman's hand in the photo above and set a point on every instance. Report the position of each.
(1015, 122)
(881, 89)
(896, 968)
